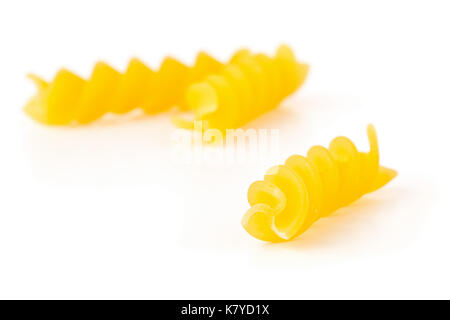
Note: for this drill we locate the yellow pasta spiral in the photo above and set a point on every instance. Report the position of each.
(295, 195)
(248, 86)
(69, 98)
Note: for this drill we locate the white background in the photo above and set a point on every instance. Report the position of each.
(103, 211)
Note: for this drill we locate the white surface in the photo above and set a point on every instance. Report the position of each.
(103, 212)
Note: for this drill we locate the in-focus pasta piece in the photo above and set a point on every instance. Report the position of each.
(294, 195)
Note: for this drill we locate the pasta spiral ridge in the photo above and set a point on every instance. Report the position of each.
(246, 87)
(294, 195)
(69, 98)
